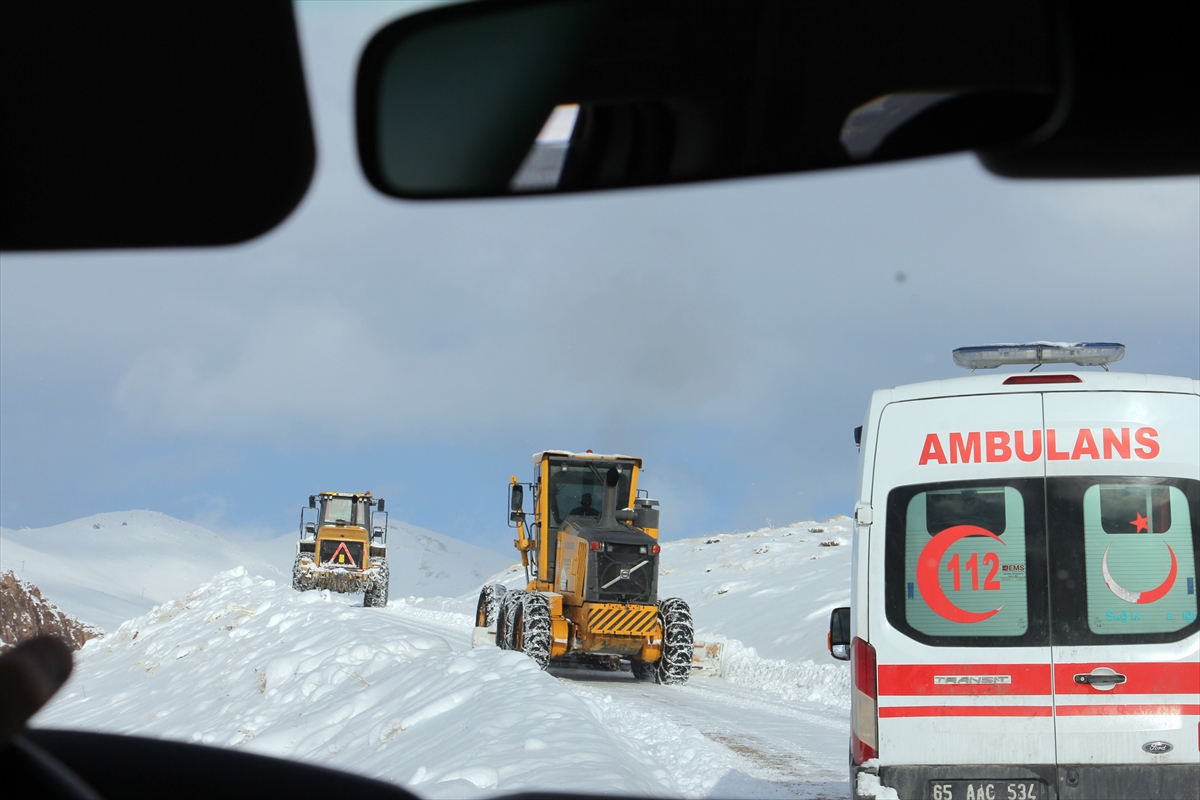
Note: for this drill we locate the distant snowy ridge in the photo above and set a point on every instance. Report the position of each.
(110, 567)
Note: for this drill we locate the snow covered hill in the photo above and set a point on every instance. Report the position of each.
(111, 567)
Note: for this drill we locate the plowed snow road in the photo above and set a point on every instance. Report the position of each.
(765, 745)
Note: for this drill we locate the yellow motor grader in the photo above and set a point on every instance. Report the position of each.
(591, 561)
(342, 550)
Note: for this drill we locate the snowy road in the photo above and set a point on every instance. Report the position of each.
(764, 745)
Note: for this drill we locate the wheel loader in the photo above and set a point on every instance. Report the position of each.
(341, 548)
(591, 562)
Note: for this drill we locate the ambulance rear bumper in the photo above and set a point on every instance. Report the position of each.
(1069, 782)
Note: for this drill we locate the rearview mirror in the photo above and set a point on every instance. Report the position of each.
(516, 498)
(839, 634)
(519, 96)
(312, 501)
(380, 506)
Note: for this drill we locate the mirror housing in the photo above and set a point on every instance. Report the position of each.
(522, 96)
(312, 501)
(380, 506)
(516, 500)
(839, 634)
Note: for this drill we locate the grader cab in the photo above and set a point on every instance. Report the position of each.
(341, 547)
(591, 561)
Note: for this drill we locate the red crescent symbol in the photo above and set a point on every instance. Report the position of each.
(1148, 596)
(930, 561)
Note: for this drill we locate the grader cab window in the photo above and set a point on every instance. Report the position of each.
(579, 489)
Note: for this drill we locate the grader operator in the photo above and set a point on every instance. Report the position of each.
(591, 560)
(343, 550)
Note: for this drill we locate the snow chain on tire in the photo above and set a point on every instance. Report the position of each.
(533, 628)
(675, 664)
(506, 619)
(377, 595)
(301, 579)
(488, 605)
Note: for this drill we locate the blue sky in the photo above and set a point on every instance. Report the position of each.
(729, 334)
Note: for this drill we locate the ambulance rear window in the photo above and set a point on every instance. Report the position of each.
(1135, 509)
(1140, 560)
(965, 572)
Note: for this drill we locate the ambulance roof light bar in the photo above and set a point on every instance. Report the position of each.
(1083, 354)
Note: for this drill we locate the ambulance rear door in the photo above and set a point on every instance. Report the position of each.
(1123, 511)
(958, 601)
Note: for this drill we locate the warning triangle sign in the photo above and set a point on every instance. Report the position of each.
(341, 557)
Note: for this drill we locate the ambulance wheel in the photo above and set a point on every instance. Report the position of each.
(505, 619)
(377, 595)
(675, 664)
(532, 628)
(645, 671)
(301, 578)
(489, 603)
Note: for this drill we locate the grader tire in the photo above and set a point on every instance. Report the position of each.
(645, 671)
(533, 628)
(675, 664)
(488, 605)
(301, 581)
(506, 619)
(377, 595)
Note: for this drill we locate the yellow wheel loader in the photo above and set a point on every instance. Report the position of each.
(343, 549)
(591, 561)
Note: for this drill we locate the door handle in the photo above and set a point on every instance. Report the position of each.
(1101, 680)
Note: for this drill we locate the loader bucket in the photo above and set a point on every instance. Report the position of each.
(706, 658)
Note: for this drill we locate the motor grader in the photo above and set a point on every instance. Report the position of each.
(591, 562)
(342, 550)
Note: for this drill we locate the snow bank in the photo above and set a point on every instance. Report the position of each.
(803, 681)
(244, 662)
(771, 589)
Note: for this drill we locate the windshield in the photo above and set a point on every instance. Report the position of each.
(167, 413)
(578, 487)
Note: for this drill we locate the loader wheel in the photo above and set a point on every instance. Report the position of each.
(532, 628)
(301, 578)
(506, 619)
(377, 596)
(675, 664)
(489, 604)
(646, 671)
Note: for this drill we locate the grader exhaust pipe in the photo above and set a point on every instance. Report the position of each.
(608, 509)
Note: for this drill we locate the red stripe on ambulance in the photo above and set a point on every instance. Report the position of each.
(975, 447)
(964, 711)
(1127, 709)
(921, 679)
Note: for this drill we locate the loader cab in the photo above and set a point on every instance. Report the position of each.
(341, 510)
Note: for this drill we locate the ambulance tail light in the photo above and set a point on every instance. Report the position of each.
(864, 701)
(1049, 377)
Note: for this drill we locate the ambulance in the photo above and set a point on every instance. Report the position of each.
(1024, 619)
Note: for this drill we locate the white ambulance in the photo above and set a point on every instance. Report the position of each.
(1024, 583)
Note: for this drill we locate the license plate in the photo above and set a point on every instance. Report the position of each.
(988, 790)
